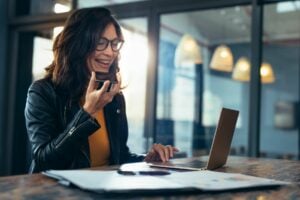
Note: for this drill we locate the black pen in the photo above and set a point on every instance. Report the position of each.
(126, 172)
(154, 173)
(149, 173)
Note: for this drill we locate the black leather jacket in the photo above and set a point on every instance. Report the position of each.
(58, 129)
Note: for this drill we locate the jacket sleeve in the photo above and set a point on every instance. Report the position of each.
(52, 147)
(126, 155)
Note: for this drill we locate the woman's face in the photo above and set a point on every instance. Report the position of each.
(101, 60)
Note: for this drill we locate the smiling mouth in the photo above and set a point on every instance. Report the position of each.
(103, 62)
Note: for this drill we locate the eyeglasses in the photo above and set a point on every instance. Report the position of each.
(115, 44)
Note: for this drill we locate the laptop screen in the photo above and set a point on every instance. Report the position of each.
(222, 139)
(219, 149)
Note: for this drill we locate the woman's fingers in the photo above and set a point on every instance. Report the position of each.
(164, 152)
(167, 153)
(92, 83)
(104, 88)
(97, 99)
(160, 152)
(151, 156)
(170, 149)
(116, 86)
(158, 148)
(175, 149)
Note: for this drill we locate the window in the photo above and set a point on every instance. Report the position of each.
(191, 94)
(280, 95)
(133, 68)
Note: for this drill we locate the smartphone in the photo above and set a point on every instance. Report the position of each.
(101, 77)
(101, 82)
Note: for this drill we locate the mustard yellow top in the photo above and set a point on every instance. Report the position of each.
(99, 143)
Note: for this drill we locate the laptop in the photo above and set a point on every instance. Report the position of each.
(219, 149)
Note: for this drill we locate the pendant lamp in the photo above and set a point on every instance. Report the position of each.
(242, 69)
(188, 52)
(266, 73)
(222, 59)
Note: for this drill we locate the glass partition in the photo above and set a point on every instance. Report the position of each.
(198, 53)
(133, 68)
(280, 90)
(42, 53)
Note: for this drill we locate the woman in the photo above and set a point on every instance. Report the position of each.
(71, 122)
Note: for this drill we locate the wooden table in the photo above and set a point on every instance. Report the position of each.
(38, 186)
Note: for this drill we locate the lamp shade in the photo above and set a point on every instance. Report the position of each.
(266, 73)
(222, 59)
(187, 52)
(241, 70)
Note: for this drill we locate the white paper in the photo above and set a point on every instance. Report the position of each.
(203, 180)
(111, 180)
(211, 180)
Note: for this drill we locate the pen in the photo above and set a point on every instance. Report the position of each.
(154, 173)
(125, 172)
(149, 173)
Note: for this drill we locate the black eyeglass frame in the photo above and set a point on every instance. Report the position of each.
(114, 47)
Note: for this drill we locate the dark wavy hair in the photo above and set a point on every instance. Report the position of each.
(72, 47)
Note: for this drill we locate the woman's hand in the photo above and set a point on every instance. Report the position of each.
(95, 99)
(159, 152)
